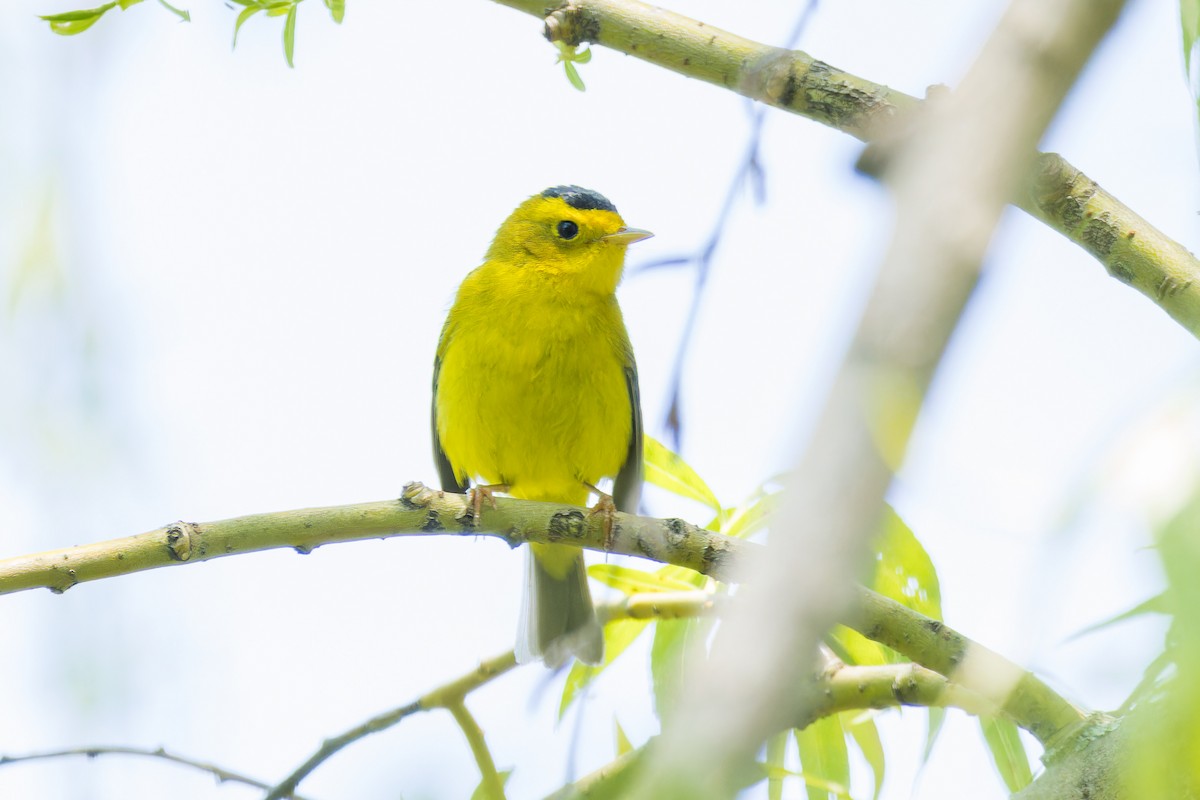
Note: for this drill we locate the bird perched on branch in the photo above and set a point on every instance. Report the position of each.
(535, 394)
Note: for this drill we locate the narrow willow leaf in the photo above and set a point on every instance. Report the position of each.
(824, 761)
(623, 744)
(247, 13)
(1154, 605)
(289, 36)
(855, 649)
(753, 517)
(776, 752)
(685, 576)
(673, 640)
(861, 726)
(903, 571)
(633, 581)
(937, 718)
(617, 638)
(1189, 17)
(72, 22)
(337, 9)
(183, 15)
(1008, 754)
(1164, 761)
(573, 76)
(124, 4)
(668, 470)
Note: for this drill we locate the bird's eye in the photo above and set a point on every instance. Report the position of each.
(568, 229)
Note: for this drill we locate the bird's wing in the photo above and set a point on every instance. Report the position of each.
(450, 482)
(627, 490)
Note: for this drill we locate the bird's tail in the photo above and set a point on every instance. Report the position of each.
(558, 621)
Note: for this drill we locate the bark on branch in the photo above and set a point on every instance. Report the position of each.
(1130, 248)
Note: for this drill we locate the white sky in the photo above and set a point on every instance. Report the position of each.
(255, 265)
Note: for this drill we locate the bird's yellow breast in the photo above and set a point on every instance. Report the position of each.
(532, 390)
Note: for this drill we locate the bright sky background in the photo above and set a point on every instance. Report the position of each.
(242, 274)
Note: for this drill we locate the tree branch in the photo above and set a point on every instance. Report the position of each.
(419, 511)
(220, 773)
(424, 512)
(1130, 248)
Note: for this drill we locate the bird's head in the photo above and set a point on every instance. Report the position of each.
(569, 233)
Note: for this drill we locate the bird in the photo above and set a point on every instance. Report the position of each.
(535, 394)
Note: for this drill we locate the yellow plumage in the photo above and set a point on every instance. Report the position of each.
(535, 390)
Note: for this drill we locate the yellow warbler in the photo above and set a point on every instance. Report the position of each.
(535, 393)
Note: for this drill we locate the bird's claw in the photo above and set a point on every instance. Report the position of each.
(608, 508)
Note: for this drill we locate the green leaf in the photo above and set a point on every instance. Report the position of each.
(903, 570)
(617, 638)
(72, 22)
(247, 13)
(1189, 17)
(854, 648)
(776, 752)
(673, 640)
(688, 577)
(1008, 754)
(824, 761)
(289, 36)
(752, 517)
(633, 581)
(183, 15)
(1155, 605)
(861, 726)
(481, 792)
(124, 4)
(937, 718)
(1167, 704)
(668, 470)
(623, 744)
(337, 9)
(573, 76)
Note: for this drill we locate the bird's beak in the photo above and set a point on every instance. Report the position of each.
(627, 235)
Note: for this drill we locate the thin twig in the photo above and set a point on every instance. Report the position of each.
(749, 171)
(448, 696)
(222, 774)
(491, 782)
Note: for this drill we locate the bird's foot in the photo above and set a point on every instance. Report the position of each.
(606, 507)
(477, 495)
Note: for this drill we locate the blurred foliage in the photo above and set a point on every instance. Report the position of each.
(1166, 704)
(1189, 17)
(902, 571)
(70, 23)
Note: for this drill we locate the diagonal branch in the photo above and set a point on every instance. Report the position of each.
(450, 697)
(1130, 248)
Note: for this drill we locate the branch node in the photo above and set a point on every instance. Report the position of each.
(179, 540)
(570, 25)
(415, 495)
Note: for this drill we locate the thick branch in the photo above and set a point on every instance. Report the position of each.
(422, 512)
(1059, 195)
(419, 511)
